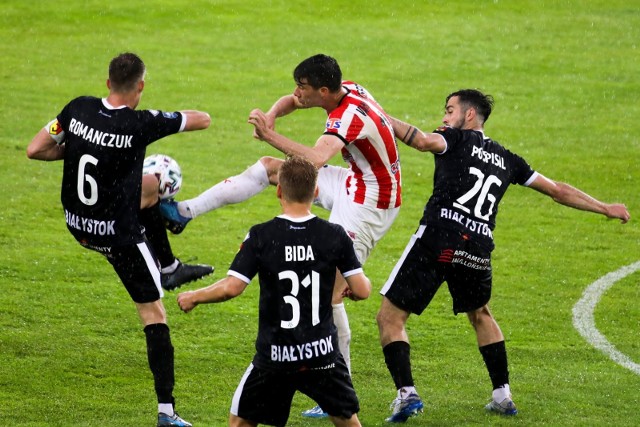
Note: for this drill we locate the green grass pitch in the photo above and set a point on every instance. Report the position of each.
(565, 78)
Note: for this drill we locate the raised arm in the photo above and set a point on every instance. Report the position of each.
(44, 147)
(570, 196)
(222, 290)
(196, 120)
(414, 137)
(326, 146)
(283, 106)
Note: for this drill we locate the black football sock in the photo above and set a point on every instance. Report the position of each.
(153, 223)
(397, 357)
(160, 355)
(495, 357)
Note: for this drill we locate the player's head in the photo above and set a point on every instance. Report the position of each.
(126, 71)
(319, 71)
(298, 179)
(472, 98)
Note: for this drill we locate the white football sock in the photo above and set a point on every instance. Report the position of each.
(501, 393)
(170, 269)
(341, 321)
(232, 190)
(406, 391)
(165, 408)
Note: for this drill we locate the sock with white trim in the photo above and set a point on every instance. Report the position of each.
(232, 190)
(166, 408)
(501, 393)
(161, 359)
(495, 358)
(341, 321)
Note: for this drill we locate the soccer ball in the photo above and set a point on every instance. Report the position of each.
(168, 172)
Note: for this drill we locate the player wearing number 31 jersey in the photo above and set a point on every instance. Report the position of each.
(296, 260)
(295, 256)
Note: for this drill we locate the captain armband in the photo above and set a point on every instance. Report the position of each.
(54, 130)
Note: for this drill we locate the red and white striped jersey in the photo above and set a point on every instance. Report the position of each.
(370, 148)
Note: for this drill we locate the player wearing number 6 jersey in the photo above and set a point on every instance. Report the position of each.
(110, 208)
(295, 256)
(454, 241)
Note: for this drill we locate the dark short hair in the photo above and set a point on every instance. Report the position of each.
(298, 178)
(482, 103)
(319, 71)
(125, 71)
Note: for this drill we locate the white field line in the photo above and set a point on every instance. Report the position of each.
(584, 322)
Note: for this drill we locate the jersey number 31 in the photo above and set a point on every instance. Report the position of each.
(312, 280)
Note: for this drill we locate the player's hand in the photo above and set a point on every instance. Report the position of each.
(619, 211)
(260, 123)
(186, 301)
(270, 122)
(347, 293)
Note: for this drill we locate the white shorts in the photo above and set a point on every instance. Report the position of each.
(364, 224)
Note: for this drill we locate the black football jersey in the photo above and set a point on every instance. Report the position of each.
(470, 178)
(104, 153)
(296, 263)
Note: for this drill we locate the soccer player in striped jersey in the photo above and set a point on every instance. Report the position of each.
(363, 197)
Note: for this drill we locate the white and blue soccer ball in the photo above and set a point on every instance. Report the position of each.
(168, 172)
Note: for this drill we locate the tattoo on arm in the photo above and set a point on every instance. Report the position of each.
(409, 140)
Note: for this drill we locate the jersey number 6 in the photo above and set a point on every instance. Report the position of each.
(83, 177)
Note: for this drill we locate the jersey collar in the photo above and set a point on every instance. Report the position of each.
(111, 107)
(301, 219)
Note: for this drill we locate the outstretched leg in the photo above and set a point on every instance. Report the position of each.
(234, 189)
(231, 190)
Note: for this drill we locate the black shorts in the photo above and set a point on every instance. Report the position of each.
(137, 267)
(264, 396)
(433, 256)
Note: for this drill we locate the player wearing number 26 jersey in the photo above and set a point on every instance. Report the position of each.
(470, 178)
(454, 242)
